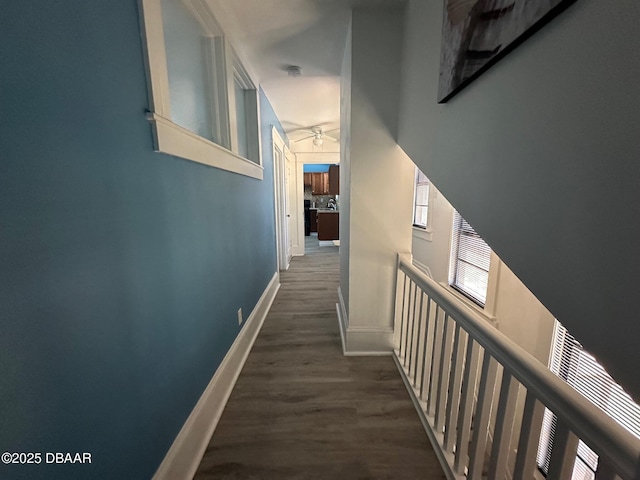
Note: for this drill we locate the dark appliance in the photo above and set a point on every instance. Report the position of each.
(307, 218)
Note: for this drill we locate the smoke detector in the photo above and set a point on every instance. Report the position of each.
(294, 71)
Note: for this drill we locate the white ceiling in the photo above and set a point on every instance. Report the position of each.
(272, 34)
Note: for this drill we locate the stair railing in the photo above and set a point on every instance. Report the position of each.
(481, 397)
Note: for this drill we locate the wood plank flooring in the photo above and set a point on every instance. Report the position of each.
(302, 410)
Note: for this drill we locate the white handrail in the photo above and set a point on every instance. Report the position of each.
(606, 437)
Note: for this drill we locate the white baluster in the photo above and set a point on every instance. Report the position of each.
(482, 417)
(563, 454)
(466, 405)
(445, 368)
(409, 330)
(403, 317)
(428, 350)
(504, 425)
(412, 336)
(455, 387)
(399, 305)
(529, 438)
(435, 360)
(419, 347)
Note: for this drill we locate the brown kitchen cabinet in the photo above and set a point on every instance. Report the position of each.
(307, 179)
(328, 225)
(320, 183)
(334, 180)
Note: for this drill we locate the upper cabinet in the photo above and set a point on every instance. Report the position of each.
(320, 183)
(324, 183)
(334, 180)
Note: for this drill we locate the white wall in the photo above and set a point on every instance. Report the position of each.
(379, 177)
(541, 154)
(345, 173)
(435, 252)
(521, 316)
(512, 308)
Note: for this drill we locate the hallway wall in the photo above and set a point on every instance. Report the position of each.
(510, 306)
(377, 179)
(121, 269)
(540, 154)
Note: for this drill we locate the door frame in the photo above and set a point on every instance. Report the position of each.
(302, 159)
(281, 180)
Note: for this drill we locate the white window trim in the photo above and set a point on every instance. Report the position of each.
(171, 138)
(238, 72)
(489, 316)
(488, 312)
(423, 233)
(453, 257)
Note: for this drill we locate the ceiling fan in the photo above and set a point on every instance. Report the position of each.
(318, 134)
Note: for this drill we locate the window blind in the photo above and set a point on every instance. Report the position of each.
(421, 200)
(470, 258)
(581, 370)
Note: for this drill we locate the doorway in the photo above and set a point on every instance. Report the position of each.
(282, 160)
(320, 197)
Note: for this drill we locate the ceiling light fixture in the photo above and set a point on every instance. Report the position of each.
(318, 141)
(294, 71)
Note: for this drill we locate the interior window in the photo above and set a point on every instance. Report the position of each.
(578, 368)
(470, 258)
(421, 200)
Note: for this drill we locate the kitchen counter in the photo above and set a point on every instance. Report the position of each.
(328, 225)
(324, 210)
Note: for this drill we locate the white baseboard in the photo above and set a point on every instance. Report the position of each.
(362, 340)
(326, 243)
(343, 319)
(368, 341)
(184, 456)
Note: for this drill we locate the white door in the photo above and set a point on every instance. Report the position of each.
(283, 242)
(289, 200)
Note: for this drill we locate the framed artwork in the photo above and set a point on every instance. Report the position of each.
(478, 33)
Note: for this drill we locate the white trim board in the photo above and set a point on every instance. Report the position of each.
(318, 158)
(343, 319)
(184, 456)
(423, 267)
(362, 340)
(178, 141)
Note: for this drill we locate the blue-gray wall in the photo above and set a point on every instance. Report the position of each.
(540, 154)
(121, 270)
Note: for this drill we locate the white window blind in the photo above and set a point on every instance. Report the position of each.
(470, 258)
(421, 200)
(581, 370)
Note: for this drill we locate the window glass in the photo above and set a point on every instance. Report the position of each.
(421, 200)
(470, 258)
(241, 119)
(189, 84)
(580, 369)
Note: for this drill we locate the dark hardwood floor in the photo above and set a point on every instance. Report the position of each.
(302, 410)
